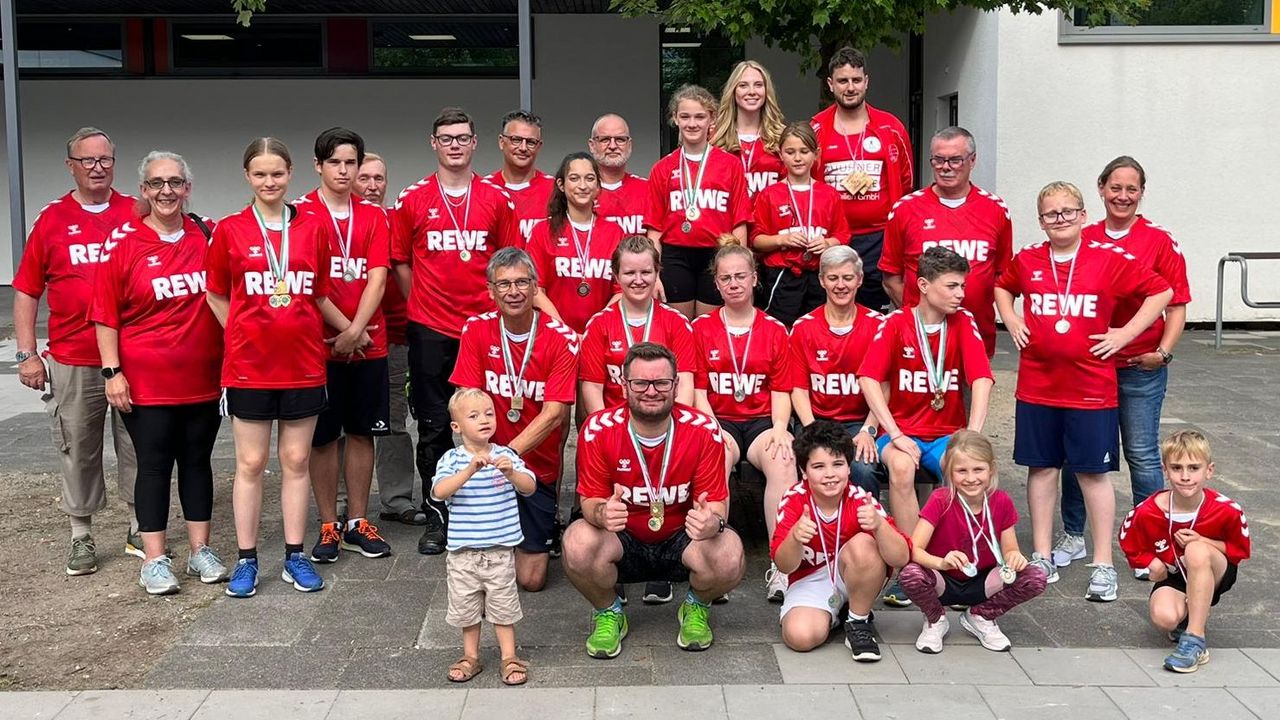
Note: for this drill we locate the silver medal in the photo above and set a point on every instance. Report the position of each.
(970, 570)
(835, 601)
(1062, 326)
(692, 213)
(464, 255)
(348, 276)
(1007, 575)
(739, 395)
(513, 415)
(686, 226)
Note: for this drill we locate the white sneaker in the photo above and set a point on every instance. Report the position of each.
(775, 584)
(931, 636)
(1068, 547)
(1142, 573)
(987, 631)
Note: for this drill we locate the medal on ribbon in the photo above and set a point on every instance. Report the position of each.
(584, 254)
(739, 392)
(277, 262)
(344, 245)
(508, 364)
(934, 365)
(1063, 325)
(690, 186)
(832, 568)
(657, 508)
(464, 254)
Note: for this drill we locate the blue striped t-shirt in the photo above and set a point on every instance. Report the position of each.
(482, 513)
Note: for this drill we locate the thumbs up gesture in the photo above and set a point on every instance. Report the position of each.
(700, 523)
(869, 518)
(805, 528)
(615, 511)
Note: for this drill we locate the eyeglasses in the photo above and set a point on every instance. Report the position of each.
(662, 385)
(159, 183)
(951, 162)
(519, 140)
(505, 285)
(87, 163)
(463, 139)
(726, 279)
(611, 139)
(1066, 214)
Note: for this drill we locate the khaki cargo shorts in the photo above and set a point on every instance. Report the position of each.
(482, 585)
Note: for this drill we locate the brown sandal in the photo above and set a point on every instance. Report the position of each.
(468, 666)
(512, 666)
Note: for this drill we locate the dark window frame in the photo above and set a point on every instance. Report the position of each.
(173, 23)
(668, 138)
(443, 73)
(75, 72)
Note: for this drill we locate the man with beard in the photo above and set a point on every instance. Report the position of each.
(652, 480)
(865, 154)
(623, 197)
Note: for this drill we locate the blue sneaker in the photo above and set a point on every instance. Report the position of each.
(299, 571)
(244, 580)
(1190, 655)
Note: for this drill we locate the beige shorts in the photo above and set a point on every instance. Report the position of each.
(482, 585)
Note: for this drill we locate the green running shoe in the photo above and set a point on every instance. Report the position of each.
(82, 558)
(695, 627)
(605, 640)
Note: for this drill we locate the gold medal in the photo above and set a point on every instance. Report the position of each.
(281, 287)
(938, 401)
(517, 403)
(657, 512)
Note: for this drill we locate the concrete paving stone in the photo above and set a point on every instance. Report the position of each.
(409, 668)
(267, 704)
(240, 667)
(1080, 666)
(407, 564)
(134, 705)
(911, 702)
(352, 566)
(33, 705)
(1164, 703)
(831, 663)
(752, 702)
(570, 666)
(1074, 622)
(721, 664)
(1050, 703)
(399, 704)
(1266, 658)
(1263, 702)
(370, 614)
(1260, 639)
(261, 621)
(961, 665)
(526, 703)
(660, 703)
(1226, 666)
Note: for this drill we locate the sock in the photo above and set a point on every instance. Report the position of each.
(133, 518)
(692, 599)
(855, 617)
(615, 607)
(248, 554)
(351, 524)
(81, 525)
(290, 549)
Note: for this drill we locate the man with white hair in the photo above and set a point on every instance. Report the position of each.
(623, 197)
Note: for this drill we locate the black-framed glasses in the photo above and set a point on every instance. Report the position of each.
(611, 139)
(106, 161)
(952, 162)
(159, 183)
(662, 385)
(519, 284)
(463, 139)
(1065, 214)
(519, 140)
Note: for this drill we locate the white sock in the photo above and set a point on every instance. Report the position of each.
(854, 617)
(81, 525)
(351, 524)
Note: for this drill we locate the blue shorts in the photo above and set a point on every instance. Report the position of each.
(931, 452)
(537, 518)
(1087, 441)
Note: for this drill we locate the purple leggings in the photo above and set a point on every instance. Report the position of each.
(921, 585)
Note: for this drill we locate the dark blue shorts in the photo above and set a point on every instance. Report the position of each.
(537, 518)
(1088, 441)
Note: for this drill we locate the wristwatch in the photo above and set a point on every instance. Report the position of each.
(1166, 356)
(723, 525)
(869, 430)
(24, 355)
(109, 372)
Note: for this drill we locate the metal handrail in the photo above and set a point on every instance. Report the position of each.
(1243, 258)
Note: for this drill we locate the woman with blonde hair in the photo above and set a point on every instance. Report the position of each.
(749, 124)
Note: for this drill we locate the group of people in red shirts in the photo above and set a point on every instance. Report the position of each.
(765, 273)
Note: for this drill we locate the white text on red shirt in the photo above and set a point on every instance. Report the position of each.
(1055, 304)
(504, 386)
(726, 383)
(708, 199)
(300, 282)
(975, 250)
(439, 240)
(918, 381)
(179, 285)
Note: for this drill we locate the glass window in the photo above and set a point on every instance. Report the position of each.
(54, 46)
(689, 58)
(1165, 20)
(446, 46)
(224, 46)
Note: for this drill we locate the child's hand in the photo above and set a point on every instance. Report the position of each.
(479, 461)
(503, 464)
(1186, 536)
(954, 560)
(868, 517)
(805, 528)
(1015, 561)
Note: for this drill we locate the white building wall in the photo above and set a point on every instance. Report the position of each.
(960, 57)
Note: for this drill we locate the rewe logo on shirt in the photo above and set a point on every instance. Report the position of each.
(502, 385)
(179, 285)
(630, 224)
(442, 240)
(526, 225)
(972, 250)
(917, 381)
(572, 267)
(759, 180)
(670, 495)
(835, 384)
(298, 282)
(90, 253)
(708, 199)
(816, 558)
(358, 267)
(615, 373)
(1055, 304)
(727, 383)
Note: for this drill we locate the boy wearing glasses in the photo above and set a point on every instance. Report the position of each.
(624, 197)
(529, 187)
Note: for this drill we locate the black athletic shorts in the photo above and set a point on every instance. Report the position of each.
(686, 275)
(538, 518)
(745, 432)
(359, 401)
(285, 404)
(643, 562)
(786, 295)
(1179, 582)
(871, 294)
(970, 591)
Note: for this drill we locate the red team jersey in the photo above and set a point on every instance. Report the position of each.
(761, 167)
(152, 292)
(979, 231)
(551, 376)
(370, 248)
(722, 199)
(1155, 248)
(64, 248)
(766, 368)
(895, 357)
(882, 151)
(1145, 534)
(1056, 369)
(813, 555)
(271, 348)
(530, 198)
(605, 345)
(606, 457)
(776, 214)
(625, 203)
(944, 510)
(446, 288)
(394, 310)
(561, 270)
(826, 364)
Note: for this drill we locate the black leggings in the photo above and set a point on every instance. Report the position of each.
(163, 435)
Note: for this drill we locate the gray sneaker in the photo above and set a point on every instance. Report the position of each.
(1104, 585)
(1042, 562)
(205, 564)
(1069, 547)
(157, 577)
(82, 558)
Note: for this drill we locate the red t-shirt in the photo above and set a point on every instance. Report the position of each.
(722, 198)
(761, 167)
(529, 197)
(561, 270)
(606, 457)
(1145, 533)
(1057, 369)
(394, 311)
(1155, 248)
(625, 203)
(814, 556)
(550, 376)
(818, 206)
(826, 364)
(370, 248)
(895, 356)
(882, 151)
(271, 348)
(152, 292)
(432, 235)
(65, 246)
(979, 231)
(605, 345)
(762, 358)
(945, 511)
